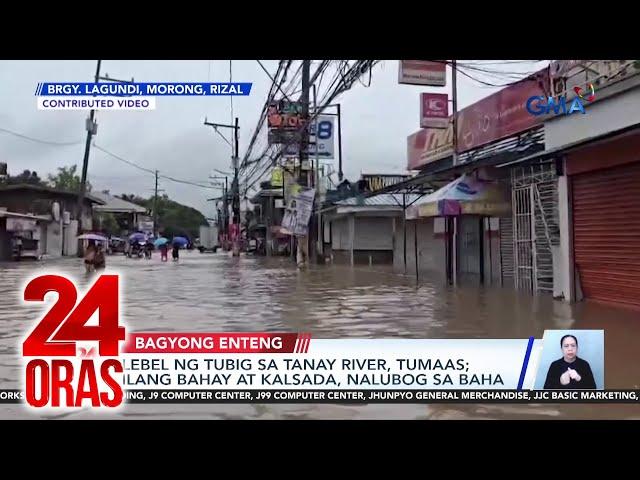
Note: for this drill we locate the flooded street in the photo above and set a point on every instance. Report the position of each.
(218, 293)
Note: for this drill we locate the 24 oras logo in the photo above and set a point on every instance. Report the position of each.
(539, 105)
(63, 368)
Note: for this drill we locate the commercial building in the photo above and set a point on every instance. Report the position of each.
(595, 161)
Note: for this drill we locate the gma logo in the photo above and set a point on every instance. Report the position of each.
(542, 106)
(538, 105)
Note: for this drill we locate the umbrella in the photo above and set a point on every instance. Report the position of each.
(138, 237)
(92, 236)
(179, 241)
(161, 241)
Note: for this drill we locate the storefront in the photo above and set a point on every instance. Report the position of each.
(465, 215)
(605, 207)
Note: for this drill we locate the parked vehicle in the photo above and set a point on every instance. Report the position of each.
(208, 239)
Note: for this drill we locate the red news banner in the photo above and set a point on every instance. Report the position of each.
(217, 343)
(79, 354)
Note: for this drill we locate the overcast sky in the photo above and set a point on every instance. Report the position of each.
(375, 122)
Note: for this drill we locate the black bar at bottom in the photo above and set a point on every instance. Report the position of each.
(363, 397)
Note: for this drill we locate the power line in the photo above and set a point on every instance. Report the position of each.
(273, 80)
(349, 77)
(124, 160)
(187, 182)
(37, 140)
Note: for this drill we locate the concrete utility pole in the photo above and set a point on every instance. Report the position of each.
(235, 190)
(92, 129)
(303, 241)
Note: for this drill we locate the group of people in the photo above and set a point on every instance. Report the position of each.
(147, 248)
(164, 251)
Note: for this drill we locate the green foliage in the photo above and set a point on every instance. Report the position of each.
(27, 176)
(107, 223)
(67, 179)
(174, 219)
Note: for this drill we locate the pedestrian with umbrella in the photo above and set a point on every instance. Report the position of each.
(163, 244)
(93, 248)
(177, 242)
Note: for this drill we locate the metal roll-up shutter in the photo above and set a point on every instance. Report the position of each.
(606, 234)
(506, 249)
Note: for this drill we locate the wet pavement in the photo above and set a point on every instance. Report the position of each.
(216, 292)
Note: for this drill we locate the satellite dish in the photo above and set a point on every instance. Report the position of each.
(55, 211)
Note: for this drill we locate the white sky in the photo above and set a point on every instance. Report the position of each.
(375, 122)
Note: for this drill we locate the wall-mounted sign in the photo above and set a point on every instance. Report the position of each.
(423, 72)
(375, 182)
(285, 121)
(434, 110)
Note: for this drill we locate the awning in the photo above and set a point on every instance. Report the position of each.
(469, 194)
(562, 149)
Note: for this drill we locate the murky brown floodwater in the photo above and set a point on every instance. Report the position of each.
(220, 293)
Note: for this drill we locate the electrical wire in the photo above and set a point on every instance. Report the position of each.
(135, 165)
(272, 79)
(348, 78)
(223, 137)
(37, 140)
(153, 172)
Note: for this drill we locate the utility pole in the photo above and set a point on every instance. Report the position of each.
(236, 195)
(339, 145)
(303, 241)
(235, 190)
(92, 129)
(454, 102)
(304, 100)
(155, 208)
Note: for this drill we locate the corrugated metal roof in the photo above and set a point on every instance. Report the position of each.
(115, 204)
(382, 200)
(6, 213)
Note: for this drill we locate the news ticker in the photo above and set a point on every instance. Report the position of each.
(362, 397)
(68, 363)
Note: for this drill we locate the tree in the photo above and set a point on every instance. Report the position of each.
(66, 179)
(174, 219)
(27, 176)
(107, 223)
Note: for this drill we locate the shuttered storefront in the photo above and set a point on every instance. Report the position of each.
(606, 234)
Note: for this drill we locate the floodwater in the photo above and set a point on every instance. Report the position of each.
(216, 292)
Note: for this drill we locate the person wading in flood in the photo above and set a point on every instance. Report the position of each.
(89, 257)
(176, 252)
(99, 259)
(164, 250)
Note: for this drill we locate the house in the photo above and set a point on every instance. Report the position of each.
(130, 216)
(46, 215)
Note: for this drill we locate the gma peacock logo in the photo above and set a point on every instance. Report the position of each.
(539, 105)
